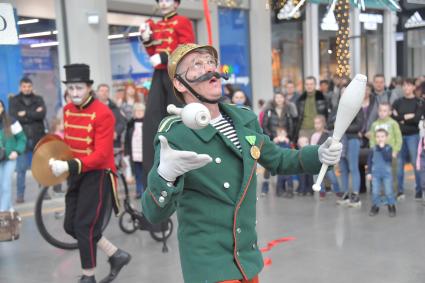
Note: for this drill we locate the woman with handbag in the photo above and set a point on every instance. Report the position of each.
(12, 143)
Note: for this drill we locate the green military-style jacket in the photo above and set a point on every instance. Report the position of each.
(216, 204)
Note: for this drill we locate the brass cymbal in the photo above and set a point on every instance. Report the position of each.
(47, 148)
(46, 138)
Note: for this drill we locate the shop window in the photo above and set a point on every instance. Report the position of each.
(287, 38)
(416, 52)
(372, 46)
(129, 60)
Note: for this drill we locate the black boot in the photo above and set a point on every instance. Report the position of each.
(374, 210)
(87, 279)
(391, 210)
(117, 261)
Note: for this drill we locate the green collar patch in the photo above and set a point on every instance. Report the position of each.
(251, 139)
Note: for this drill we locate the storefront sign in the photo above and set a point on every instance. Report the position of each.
(371, 18)
(8, 33)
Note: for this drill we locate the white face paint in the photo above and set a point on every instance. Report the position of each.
(78, 92)
(166, 6)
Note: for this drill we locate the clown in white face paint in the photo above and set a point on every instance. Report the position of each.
(78, 92)
(167, 6)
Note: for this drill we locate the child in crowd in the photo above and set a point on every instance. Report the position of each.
(320, 136)
(306, 180)
(240, 99)
(56, 127)
(133, 145)
(379, 172)
(284, 182)
(395, 139)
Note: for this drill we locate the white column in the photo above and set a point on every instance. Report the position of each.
(81, 42)
(311, 41)
(355, 41)
(261, 52)
(390, 47)
(63, 45)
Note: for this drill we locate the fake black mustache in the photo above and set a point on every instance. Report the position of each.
(208, 76)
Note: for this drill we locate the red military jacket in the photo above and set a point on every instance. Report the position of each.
(167, 34)
(89, 132)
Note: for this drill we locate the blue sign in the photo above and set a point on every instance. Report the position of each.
(234, 47)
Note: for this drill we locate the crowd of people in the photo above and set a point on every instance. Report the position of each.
(387, 133)
(391, 120)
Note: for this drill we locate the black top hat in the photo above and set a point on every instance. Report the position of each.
(77, 73)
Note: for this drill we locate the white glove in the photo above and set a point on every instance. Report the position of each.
(155, 60)
(58, 167)
(330, 153)
(145, 32)
(174, 163)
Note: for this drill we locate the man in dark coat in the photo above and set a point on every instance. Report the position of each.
(311, 103)
(29, 109)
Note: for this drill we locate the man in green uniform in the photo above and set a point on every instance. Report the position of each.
(209, 176)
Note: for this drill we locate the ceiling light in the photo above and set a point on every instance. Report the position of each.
(35, 34)
(44, 44)
(29, 21)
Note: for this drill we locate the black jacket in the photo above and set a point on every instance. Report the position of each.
(120, 122)
(404, 106)
(33, 121)
(321, 107)
(288, 120)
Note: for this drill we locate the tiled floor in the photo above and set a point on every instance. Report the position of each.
(332, 244)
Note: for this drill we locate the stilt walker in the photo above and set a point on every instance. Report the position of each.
(160, 39)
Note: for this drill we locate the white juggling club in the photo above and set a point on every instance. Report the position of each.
(348, 107)
(194, 115)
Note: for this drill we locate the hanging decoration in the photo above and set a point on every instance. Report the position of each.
(290, 10)
(276, 4)
(359, 4)
(342, 40)
(329, 21)
(208, 21)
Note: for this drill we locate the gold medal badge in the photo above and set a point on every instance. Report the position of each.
(255, 151)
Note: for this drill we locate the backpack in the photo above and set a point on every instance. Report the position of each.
(10, 224)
